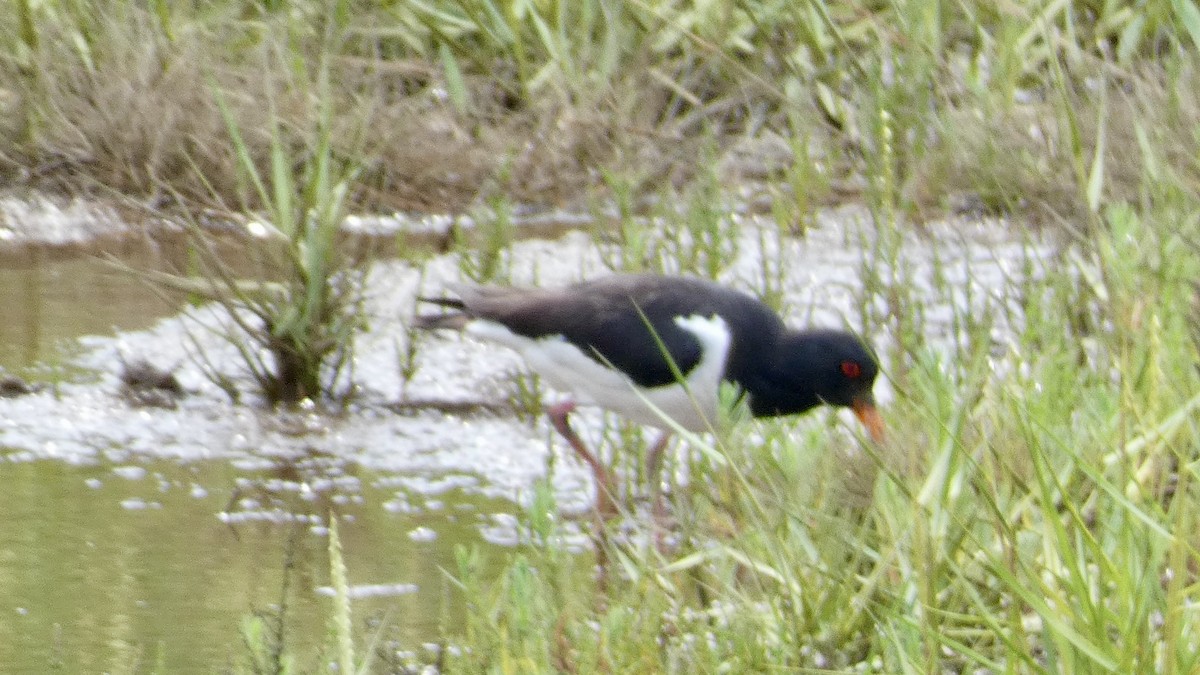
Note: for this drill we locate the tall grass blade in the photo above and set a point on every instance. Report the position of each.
(1188, 15)
(456, 87)
(340, 616)
(1095, 184)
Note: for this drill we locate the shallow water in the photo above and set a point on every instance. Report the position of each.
(108, 565)
(46, 302)
(143, 535)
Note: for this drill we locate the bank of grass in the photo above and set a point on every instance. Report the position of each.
(539, 101)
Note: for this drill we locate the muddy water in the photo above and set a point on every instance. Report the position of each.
(107, 566)
(144, 535)
(115, 561)
(46, 302)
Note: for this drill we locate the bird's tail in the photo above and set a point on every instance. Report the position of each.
(450, 320)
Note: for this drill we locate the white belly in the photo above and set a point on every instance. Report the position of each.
(568, 368)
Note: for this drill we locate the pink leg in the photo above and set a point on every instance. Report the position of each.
(558, 414)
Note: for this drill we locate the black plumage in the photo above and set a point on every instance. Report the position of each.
(628, 322)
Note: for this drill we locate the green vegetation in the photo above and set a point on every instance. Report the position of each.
(1034, 509)
(542, 102)
(301, 336)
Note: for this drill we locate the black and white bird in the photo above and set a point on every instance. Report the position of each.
(647, 346)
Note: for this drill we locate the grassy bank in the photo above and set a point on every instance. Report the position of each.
(448, 104)
(1034, 509)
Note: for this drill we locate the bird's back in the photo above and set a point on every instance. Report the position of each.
(628, 321)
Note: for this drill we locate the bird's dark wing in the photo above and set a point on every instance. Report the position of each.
(616, 318)
(648, 345)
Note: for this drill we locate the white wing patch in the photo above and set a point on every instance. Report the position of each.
(568, 368)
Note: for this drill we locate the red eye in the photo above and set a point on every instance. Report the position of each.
(851, 369)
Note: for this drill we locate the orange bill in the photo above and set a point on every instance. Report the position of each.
(868, 414)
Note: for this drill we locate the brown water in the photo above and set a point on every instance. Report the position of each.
(105, 567)
(45, 301)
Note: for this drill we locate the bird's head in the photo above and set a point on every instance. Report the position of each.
(835, 368)
(848, 377)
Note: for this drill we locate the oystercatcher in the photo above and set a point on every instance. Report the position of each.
(648, 346)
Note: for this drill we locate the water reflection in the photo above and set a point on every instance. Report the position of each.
(103, 567)
(47, 302)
